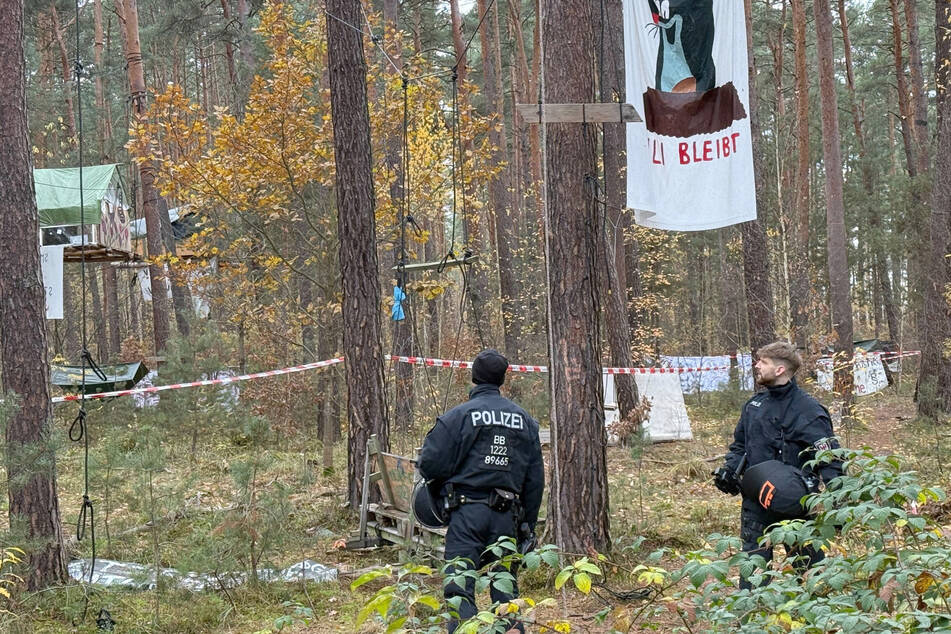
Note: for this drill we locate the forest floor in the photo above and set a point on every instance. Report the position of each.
(661, 493)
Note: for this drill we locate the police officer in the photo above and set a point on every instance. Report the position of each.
(486, 458)
(780, 423)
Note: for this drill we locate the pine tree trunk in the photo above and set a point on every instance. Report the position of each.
(67, 70)
(153, 222)
(103, 121)
(110, 292)
(579, 496)
(475, 223)
(759, 292)
(98, 317)
(355, 219)
(884, 290)
(181, 295)
(904, 107)
(918, 107)
(613, 287)
(500, 185)
(839, 290)
(935, 361)
(30, 456)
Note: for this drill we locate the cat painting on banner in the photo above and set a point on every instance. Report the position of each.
(690, 163)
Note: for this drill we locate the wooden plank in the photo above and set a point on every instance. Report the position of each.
(399, 473)
(426, 266)
(578, 112)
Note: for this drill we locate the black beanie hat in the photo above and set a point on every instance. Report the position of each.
(489, 367)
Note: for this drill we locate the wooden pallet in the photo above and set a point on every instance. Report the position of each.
(391, 520)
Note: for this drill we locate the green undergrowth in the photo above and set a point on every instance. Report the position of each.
(238, 488)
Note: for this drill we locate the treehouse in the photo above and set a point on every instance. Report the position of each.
(102, 208)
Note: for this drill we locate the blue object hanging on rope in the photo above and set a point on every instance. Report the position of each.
(398, 297)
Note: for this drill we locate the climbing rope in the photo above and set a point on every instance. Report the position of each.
(78, 430)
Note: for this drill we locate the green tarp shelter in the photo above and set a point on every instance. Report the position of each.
(57, 193)
(122, 376)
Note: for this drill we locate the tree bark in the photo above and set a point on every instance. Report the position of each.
(835, 207)
(613, 287)
(918, 107)
(935, 361)
(500, 185)
(110, 292)
(759, 292)
(103, 122)
(67, 70)
(181, 296)
(904, 107)
(800, 292)
(153, 222)
(30, 456)
(579, 497)
(474, 223)
(884, 289)
(355, 219)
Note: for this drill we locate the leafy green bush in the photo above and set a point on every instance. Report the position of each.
(889, 567)
(412, 600)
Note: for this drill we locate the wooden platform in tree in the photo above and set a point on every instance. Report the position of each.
(97, 253)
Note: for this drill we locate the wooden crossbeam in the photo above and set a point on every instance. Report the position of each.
(578, 113)
(425, 266)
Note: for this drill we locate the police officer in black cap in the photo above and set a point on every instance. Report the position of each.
(486, 459)
(784, 424)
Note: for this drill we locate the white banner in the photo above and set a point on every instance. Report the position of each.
(868, 374)
(51, 264)
(690, 161)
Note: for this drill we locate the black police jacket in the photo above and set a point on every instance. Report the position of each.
(786, 424)
(488, 442)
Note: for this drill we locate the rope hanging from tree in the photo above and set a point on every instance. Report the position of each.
(78, 430)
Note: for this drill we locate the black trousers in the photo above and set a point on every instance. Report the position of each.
(472, 528)
(753, 524)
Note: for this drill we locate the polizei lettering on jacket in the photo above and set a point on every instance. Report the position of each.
(495, 417)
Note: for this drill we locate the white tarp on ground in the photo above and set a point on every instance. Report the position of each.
(868, 373)
(142, 577)
(668, 418)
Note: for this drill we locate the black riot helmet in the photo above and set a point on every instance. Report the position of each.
(778, 488)
(428, 507)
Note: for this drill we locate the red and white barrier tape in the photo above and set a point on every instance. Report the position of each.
(427, 361)
(444, 363)
(224, 381)
(709, 368)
